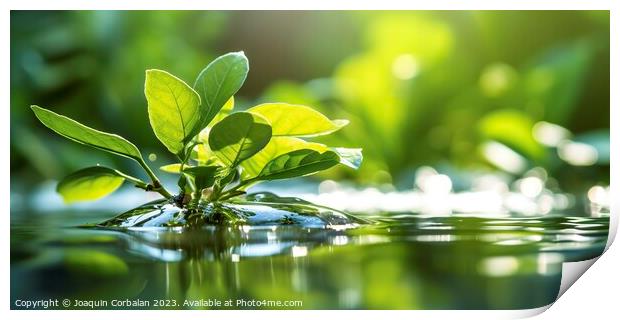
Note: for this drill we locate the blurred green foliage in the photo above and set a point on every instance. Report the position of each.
(430, 88)
(420, 88)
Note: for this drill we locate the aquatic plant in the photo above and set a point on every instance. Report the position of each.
(220, 152)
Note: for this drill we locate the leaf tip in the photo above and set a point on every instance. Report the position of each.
(35, 108)
(149, 72)
(240, 54)
(340, 123)
(38, 112)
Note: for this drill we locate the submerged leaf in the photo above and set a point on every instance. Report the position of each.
(89, 184)
(218, 82)
(80, 133)
(296, 120)
(238, 137)
(298, 163)
(94, 264)
(174, 109)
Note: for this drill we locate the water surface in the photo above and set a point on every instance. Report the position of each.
(403, 261)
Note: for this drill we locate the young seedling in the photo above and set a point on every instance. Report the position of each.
(220, 152)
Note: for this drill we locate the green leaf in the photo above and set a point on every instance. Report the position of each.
(350, 157)
(219, 81)
(295, 120)
(228, 176)
(238, 137)
(202, 152)
(201, 176)
(172, 168)
(174, 109)
(80, 133)
(298, 163)
(277, 146)
(224, 112)
(89, 184)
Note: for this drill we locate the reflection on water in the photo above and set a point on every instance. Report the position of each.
(406, 261)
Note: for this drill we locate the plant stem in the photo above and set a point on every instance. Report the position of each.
(217, 190)
(195, 198)
(139, 183)
(227, 195)
(157, 186)
(196, 194)
(232, 190)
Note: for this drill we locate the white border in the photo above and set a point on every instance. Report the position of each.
(595, 294)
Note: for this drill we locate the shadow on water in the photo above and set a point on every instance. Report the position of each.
(401, 261)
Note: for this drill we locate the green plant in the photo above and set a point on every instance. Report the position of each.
(220, 153)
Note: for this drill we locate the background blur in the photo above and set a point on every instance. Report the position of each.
(461, 92)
